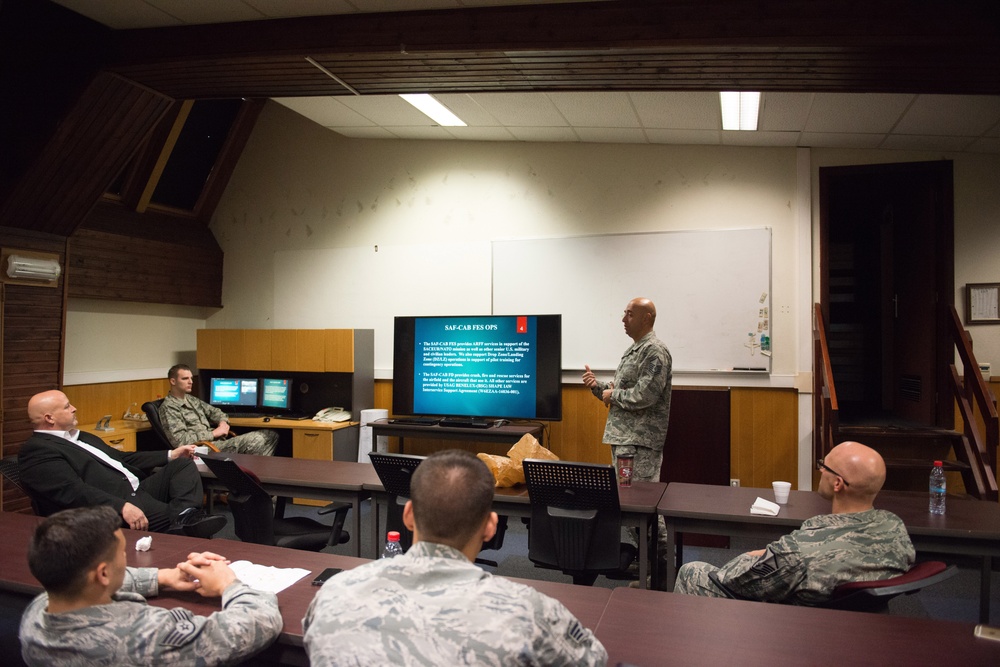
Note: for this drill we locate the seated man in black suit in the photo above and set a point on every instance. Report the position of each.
(63, 467)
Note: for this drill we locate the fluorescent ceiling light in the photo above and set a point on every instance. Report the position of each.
(739, 110)
(438, 112)
(32, 268)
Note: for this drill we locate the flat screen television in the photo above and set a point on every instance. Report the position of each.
(490, 366)
(225, 392)
(276, 393)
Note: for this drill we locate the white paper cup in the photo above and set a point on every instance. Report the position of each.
(781, 490)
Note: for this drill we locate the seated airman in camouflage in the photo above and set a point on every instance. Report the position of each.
(433, 605)
(854, 543)
(93, 611)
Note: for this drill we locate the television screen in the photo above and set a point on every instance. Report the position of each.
(276, 393)
(499, 366)
(233, 391)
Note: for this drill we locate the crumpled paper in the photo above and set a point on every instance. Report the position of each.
(144, 543)
(508, 470)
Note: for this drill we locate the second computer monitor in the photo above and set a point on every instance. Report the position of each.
(276, 393)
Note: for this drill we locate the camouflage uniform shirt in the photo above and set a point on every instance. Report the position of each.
(640, 403)
(128, 631)
(189, 419)
(431, 606)
(806, 565)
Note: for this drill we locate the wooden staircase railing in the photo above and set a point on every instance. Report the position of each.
(826, 426)
(978, 448)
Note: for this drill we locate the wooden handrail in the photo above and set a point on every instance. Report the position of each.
(980, 448)
(825, 410)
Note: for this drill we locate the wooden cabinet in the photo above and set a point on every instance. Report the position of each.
(312, 444)
(310, 350)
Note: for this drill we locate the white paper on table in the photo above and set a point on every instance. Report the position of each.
(265, 577)
(764, 507)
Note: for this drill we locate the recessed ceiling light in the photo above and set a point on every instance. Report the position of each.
(739, 110)
(437, 112)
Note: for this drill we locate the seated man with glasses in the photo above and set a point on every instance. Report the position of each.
(854, 543)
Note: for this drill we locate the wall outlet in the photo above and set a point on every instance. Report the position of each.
(734, 482)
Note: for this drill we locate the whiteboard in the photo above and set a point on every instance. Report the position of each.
(711, 289)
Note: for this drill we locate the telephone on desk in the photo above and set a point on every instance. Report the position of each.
(332, 415)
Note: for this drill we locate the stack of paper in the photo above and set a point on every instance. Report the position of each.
(764, 507)
(264, 578)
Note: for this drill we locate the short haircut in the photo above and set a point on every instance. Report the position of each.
(70, 543)
(175, 369)
(452, 492)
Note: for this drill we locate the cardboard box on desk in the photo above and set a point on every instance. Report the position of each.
(508, 470)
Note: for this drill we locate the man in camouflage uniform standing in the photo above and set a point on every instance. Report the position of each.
(855, 543)
(433, 605)
(188, 419)
(93, 611)
(638, 401)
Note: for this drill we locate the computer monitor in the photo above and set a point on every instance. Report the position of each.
(226, 392)
(276, 393)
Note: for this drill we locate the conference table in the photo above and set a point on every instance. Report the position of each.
(637, 627)
(638, 506)
(342, 481)
(968, 528)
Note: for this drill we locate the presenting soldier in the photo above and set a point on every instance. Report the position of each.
(433, 605)
(855, 543)
(638, 400)
(93, 611)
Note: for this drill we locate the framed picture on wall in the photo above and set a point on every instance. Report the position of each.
(982, 303)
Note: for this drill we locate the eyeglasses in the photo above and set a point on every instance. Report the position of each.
(822, 466)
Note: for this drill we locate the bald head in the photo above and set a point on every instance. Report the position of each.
(640, 315)
(51, 411)
(860, 467)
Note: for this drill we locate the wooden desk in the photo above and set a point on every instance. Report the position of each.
(507, 434)
(638, 503)
(654, 628)
(970, 527)
(321, 441)
(122, 437)
(584, 602)
(321, 480)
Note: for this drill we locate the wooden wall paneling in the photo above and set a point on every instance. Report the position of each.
(233, 349)
(338, 350)
(764, 436)
(93, 401)
(698, 442)
(283, 349)
(579, 436)
(257, 349)
(310, 350)
(209, 344)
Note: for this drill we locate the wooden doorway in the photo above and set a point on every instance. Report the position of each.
(887, 281)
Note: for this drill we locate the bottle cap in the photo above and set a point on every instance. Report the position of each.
(938, 463)
(393, 536)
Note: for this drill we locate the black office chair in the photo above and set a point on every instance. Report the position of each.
(257, 521)
(576, 520)
(872, 596)
(11, 471)
(395, 472)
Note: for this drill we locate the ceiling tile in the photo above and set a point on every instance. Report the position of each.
(784, 112)
(612, 135)
(123, 15)
(326, 111)
(682, 110)
(699, 137)
(596, 109)
(856, 112)
(280, 9)
(420, 132)
(521, 109)
(543, 133)
(952, 115)
(840, 140)
(984, 145)
(760, 138)
(387, 110)
(468, 108)
(200, 12)
(371, 132)
(911, 142)
(481, 133)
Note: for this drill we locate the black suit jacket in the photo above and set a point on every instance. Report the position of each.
(59, 474)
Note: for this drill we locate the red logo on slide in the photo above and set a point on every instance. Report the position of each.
(522, 324)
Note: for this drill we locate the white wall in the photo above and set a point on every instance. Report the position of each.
(112, 341)
(301, 188)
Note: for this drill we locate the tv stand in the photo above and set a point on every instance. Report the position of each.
(465, 422)
(506, 434)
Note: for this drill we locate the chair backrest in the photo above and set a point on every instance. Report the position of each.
(152, 410)
(11, 471)
(575, 515)
(253, 513)
(395, 472)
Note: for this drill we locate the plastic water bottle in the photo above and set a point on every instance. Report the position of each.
(938, 486)
(392, 546)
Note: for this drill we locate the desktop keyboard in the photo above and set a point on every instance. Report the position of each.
(245, 415)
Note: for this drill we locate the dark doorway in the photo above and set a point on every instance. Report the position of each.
(887, 283)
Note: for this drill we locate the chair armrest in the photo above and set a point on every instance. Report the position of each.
(207, 443)
(334, 507)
